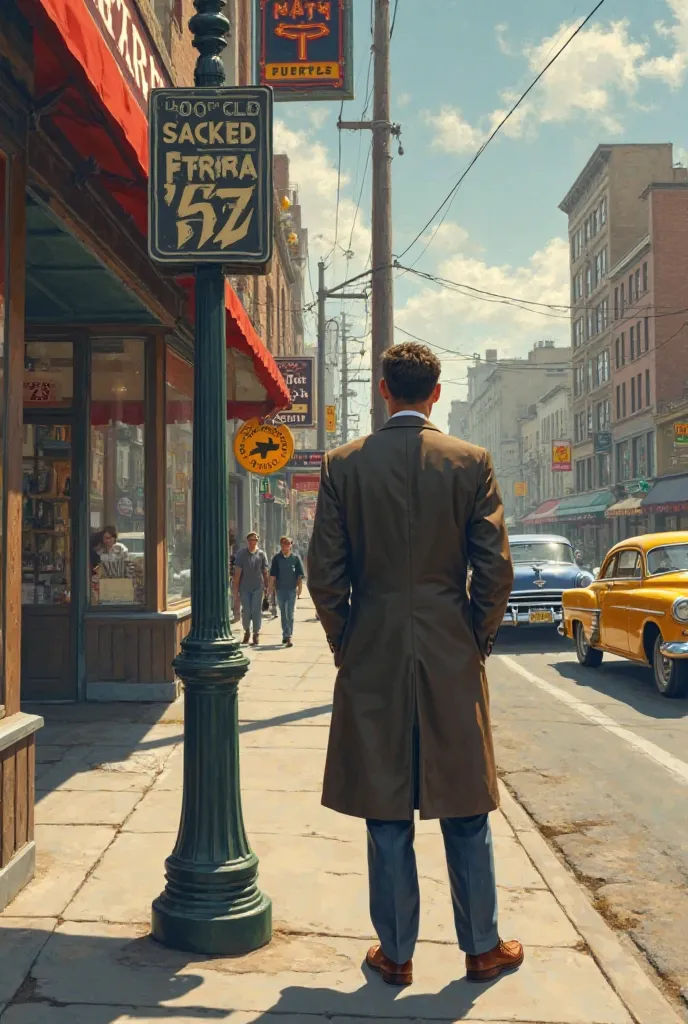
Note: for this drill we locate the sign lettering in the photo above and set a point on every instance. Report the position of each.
(561, 457)
(132, 46)
(305, 48)
(299, 375)
(211, 177)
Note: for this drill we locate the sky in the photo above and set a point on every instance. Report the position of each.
(457, 67)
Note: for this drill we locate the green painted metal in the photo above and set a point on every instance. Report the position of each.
(211, 903)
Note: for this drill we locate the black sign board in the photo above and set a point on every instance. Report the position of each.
(299, 376)
(210, 185)
(305, 48)
(306, 460)
(603, 441)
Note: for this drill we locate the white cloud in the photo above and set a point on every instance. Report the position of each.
(403, 99)
(453, 134)
(672, 69)
(315, 173)
(447, 237)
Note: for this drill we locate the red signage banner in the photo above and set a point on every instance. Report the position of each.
(562, 457)
(308, 482)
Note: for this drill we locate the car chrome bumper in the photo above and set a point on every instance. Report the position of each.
(521, 617)
(676, 649)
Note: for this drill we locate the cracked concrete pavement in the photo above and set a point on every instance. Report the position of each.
(75, 948)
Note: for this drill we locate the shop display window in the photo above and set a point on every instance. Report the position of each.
(179, 445)
(118, 472)
(47, 515)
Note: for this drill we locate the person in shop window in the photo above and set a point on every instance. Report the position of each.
(111, 553)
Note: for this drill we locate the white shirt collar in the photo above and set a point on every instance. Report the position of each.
(409, 412)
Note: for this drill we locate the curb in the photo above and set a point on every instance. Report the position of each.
(643, 1000)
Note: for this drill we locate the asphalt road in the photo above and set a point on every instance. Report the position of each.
(600, 760)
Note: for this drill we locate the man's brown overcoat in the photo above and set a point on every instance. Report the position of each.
(401, 515)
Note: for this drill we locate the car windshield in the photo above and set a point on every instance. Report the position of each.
(542, 551)
(669, 558)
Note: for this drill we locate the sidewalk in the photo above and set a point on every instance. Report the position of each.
(74, 946)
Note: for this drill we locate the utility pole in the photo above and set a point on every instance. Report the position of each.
(383, 282)
(322, 296)
(382, 271)
(345, 382)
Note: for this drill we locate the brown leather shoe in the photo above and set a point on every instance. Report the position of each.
(393, 974)
(506, 956)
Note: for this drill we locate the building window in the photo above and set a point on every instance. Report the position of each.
(645, 280)
(118, 471)
(630, 290)
(648, 397)
(603, 470)
(591, 426)
(600, 266)
(647, 334)
(590, 317)
(639, 389)
(577, 286)
(622, 300)
(588, 279)
(590, 375)
(603, 212)
(589, 474)
(636, 283)
(632, 394)
(632, 334)
(576, 244)
(179, 461)
(580, 475)
(578, 332)
(618, 353)
(651, 453)
(578, 380)
(618, 401)
(623, 400)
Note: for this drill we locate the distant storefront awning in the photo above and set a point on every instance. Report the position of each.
(668, 495)
(96, 93)
(628, 507)
(584, 507)
(543, 514)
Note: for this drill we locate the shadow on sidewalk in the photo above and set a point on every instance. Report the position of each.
(91, 978)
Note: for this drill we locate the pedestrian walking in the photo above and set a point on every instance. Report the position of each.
(286, 582)
(250, 583)
(400, 516)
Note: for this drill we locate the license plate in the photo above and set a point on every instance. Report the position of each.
(541, 616)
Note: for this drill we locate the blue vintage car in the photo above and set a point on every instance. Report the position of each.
(544, 567)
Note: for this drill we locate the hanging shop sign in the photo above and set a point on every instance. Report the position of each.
(305, 483)
(681, 434)
(603, 442)
(132, 46)
(299, 375)
(306, 459)
(305, 48)
(210, 188)
(263, 448)
(331, 418)
(520, 489)
(562, 458)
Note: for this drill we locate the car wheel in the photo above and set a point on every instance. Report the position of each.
(587, 655)
(671, 674)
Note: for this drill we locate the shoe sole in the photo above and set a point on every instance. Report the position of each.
(494, 972)
(398, 980)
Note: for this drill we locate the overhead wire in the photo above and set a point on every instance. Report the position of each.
(447, 202)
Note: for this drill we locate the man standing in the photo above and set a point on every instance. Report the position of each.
(286, 580)
(400, 517)
(250, 583)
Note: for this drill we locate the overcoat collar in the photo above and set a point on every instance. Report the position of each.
(409, 421)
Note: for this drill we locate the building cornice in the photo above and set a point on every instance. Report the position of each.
(595, 164)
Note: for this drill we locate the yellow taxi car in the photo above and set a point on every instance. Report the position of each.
(637, 607)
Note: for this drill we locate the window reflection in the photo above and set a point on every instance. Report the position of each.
(118, 467)
(179, 419)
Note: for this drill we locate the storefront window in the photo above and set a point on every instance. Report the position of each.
(48, 375)
(3, 278)
(179, 418)
(118, 470)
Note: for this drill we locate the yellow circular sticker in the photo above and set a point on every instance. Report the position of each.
(263, 447)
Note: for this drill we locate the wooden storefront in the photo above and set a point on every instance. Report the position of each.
(96, 406)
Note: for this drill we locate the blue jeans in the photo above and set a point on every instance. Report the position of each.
(286, 599)
(394, 893)
(251, 609)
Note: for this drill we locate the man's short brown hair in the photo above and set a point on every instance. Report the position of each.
(411, 372)
(286, 540)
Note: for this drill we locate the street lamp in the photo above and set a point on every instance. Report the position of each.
(211, 902)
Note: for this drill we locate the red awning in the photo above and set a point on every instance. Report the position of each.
(87, 97)
(544, 513)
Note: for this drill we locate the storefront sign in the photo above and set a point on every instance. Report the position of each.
(603, 442)
(305, 483)
(39, 392)
(305, 48)
(561, 457)
(263, 448)
(521, 489)
(132, 46)
(668, 509)
(299, 375)
(210, 186)
(330, 418)
(306, 459)
(681, 433)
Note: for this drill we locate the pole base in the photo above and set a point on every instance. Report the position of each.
(195, 914)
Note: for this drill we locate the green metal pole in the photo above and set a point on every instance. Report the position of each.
(211, 902)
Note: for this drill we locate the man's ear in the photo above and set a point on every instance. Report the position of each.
(384, 390)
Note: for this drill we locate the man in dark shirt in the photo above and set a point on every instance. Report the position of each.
(286, 579)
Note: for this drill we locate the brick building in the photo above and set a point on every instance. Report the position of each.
(607, 220)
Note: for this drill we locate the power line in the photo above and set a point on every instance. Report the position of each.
(394, 18)
(447, 202)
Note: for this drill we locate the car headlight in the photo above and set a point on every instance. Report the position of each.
(584, 579)
(679, 609)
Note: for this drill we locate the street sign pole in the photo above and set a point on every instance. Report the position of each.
(211, 902)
